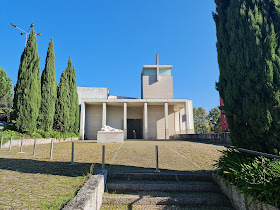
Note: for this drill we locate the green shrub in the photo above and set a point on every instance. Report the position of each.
(36, 135)
(255, 176)
(55, 134)
(7, 134)
(44, 134)
(11, 127)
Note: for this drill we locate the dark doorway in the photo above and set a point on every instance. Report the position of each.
(135, 125)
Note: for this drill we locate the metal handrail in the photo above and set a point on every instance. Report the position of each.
(255, 152)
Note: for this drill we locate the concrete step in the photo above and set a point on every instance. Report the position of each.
(121, 181)
(163, 187)
(163, 207)
(212, 195)
(138, 200)
(161, 176)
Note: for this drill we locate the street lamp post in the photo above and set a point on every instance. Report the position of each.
(25, 32)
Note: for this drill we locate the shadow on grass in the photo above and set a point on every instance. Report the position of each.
(45, 167)
(66, 169)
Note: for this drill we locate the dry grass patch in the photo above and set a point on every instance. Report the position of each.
(174, 156)
(36, 182)
(40, 183)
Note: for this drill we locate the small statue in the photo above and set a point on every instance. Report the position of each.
(107, 128)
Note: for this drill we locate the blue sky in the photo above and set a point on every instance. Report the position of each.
(109, 41)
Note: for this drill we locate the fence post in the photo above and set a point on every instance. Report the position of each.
(21, 145)
(34, 149)
(10, 144)
(51, 149)
(1, 142)
(103, 157)
(157, 169)
(72, 160)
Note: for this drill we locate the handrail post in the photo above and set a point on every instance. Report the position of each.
(21, 145)
(103, 157)
(35, 144)
(51, 149)
(1, 142)
(72, 159)
(10, 148)
(157, 169)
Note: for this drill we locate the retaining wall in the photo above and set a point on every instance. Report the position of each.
(27, 142)
(90, 195)
(215, 137)
(238, 200)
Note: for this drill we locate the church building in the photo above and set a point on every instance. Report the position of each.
(156, 115)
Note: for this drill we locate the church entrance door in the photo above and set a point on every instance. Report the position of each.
(134, 128)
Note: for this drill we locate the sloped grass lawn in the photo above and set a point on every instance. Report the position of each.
(36, 182)
(40, 183)
(174, 156)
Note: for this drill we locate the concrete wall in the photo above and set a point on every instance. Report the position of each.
(181, 116)
(115, 116)
(156, 121)
(157, 89)
(238, 200)
(28, 142)
(216, 137)
(92, 92)
(93, 121)
(135, 112)
(89, 196)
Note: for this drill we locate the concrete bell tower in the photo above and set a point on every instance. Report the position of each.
(156, 81)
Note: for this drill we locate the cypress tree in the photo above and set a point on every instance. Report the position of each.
(27, 92)
(248, 56)
(74, 104)
(61, 119)
(49, 91)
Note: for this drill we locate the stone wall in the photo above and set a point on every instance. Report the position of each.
(215, 137)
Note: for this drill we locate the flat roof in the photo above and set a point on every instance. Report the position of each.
(88, 100)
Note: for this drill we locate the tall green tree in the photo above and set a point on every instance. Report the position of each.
(49, 91)
(67, 106)
(74, 104)
(249, 62)
(201, 123)
(62, 109)
(214, 117)
(5, 88)
(27, 92)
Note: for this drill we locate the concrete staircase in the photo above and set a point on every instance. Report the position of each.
(163, 191)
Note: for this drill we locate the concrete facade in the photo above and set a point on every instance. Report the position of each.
(153, 89)
(156, 114)
(163, 117)
(92, 92)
